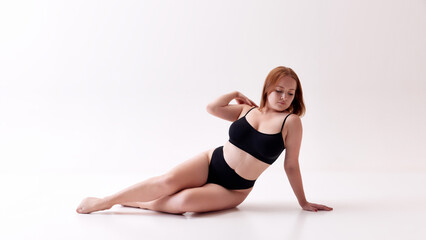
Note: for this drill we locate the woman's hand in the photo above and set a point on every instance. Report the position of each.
(315, 207)
(241, 99)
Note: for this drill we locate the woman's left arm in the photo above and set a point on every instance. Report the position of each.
(293, 141)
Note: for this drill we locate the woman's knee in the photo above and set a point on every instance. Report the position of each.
(177, 181)
(169, 182)
(185, 202)
(191, 202)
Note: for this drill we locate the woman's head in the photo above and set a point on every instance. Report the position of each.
(282, 91)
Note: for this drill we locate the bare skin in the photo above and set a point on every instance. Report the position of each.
(181, 190)
(184, 188)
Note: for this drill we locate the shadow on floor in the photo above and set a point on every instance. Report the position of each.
(267, 208)
(270, 207)
(129, 211)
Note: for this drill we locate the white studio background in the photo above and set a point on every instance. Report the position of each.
(121, 86)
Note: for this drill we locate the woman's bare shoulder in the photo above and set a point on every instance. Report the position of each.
(244, 109)
(294, 121)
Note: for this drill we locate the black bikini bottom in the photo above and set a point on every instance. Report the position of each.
(222, 174)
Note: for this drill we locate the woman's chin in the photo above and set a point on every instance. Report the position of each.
(280, 109)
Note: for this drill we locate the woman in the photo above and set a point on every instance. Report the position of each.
(222, 178)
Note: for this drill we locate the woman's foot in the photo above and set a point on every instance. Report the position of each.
(92, 204)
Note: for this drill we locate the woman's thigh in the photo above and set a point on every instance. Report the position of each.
(191, 173)
(210, 197)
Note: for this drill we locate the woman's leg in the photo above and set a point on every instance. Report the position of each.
(191, 173)
(210, 197)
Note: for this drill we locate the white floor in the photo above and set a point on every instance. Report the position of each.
(366, 206)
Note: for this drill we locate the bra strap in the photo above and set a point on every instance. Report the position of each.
(284, 121)
(249, 111)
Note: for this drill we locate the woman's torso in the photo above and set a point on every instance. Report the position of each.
(242, 162)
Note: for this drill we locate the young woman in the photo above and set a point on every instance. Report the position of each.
(222, 178)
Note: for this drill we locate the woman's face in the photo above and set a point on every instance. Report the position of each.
(282, 94)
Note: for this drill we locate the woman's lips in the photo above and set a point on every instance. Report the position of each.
(283, 103)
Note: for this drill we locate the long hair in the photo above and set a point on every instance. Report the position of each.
(297, 105)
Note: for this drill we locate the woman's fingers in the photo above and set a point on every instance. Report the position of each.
(316, 207)
(322, 207)
(253, 103)
(239, 101)
(326, 208)
(245, 100)
(310, 208)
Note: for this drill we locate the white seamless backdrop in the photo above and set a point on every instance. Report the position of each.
(121, 86)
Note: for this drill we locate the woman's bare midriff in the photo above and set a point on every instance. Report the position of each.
(244, 164)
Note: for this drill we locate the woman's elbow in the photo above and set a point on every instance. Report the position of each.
(291, 167)
(210, 109)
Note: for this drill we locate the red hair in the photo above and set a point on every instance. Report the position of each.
(297, 105)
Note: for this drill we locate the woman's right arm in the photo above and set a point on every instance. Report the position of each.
(222, 109)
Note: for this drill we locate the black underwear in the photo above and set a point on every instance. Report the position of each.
(222, 174)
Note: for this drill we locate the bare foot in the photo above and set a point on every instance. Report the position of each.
(92, 204)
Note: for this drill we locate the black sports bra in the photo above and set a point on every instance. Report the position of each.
(265, 147)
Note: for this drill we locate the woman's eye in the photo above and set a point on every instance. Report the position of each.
(291, 94)
(278, 91)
